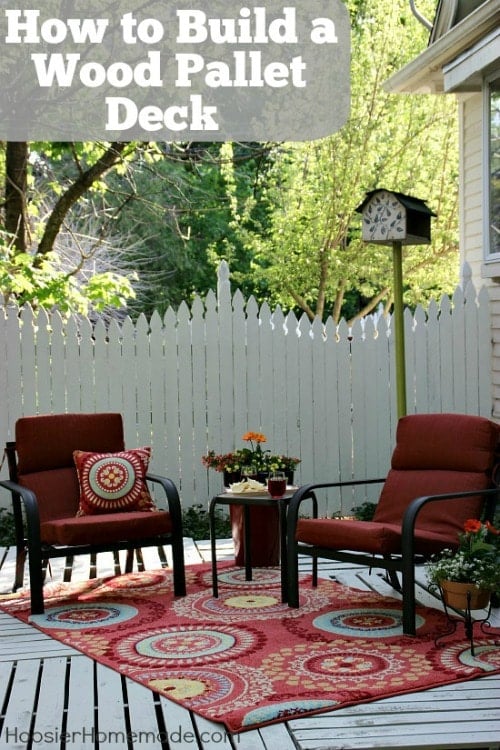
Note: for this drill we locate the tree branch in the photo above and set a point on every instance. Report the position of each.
(301, 302)
(86, 179)
(371, 305)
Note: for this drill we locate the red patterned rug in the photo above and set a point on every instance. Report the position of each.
(247, 660)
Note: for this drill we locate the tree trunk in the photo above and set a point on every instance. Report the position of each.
(16, 182)
(68, 199)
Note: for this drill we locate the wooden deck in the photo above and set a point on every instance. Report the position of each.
(62, 699)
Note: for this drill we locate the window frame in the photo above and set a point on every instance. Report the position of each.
(489, 256)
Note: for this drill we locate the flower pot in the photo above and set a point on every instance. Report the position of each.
(455, 595)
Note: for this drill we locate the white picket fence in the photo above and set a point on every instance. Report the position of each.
(202, 376)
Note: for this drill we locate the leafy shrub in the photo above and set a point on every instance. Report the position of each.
(365, 511)
(7, 536)
(195, 523)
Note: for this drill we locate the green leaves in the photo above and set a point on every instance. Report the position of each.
(313, 256)
(108, 290)
(42, 284)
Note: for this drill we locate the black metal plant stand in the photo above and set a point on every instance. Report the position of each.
(467, 619)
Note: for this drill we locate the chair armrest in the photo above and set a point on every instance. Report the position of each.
(30, 503)
(173, 500)
(27, 496)
(306, 491)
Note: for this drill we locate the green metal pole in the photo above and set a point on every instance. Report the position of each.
(399, 328)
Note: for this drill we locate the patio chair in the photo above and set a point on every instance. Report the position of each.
(441, 475)
(75, 490)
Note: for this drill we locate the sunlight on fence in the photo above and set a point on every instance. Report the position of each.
(203, 375)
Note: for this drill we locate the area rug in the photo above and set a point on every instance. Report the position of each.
(247, 660)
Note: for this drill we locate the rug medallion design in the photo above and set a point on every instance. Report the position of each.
(245, 659)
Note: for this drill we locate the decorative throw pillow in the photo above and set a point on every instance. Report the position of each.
(113, 482)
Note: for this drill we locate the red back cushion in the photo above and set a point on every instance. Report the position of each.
(456, 442)
(401, 487)
(57, 492)
(48, 441)
(45, 445)
(435, 454)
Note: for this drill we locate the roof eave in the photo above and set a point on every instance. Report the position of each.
(424, 74)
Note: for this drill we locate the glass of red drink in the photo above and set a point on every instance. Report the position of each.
(276, 484)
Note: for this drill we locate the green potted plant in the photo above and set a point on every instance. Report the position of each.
(229, 464)
(467, 576)
(254, 457)
(288, 464)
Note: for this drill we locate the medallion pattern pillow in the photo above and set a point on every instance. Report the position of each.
(113, 482)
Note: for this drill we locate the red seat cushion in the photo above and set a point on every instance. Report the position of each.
(106, 528)
(334, 533)
(366, 536)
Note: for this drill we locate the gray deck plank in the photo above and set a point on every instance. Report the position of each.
(110, 704)
(17, 720)
(143, 719)
(180, 725)
(80, 704)
(50, 705)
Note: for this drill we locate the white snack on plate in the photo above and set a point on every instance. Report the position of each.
(248, 485)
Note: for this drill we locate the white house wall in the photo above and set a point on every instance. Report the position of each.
(471, 222)
(472, 184)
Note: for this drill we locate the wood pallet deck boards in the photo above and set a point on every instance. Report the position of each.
(50, 689)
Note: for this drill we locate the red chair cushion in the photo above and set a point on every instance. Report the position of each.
(45, 446)
(113, 482)
(48, 441)
(401, 487)
(454, 442)
(334, 533)
(366, 536)
(57, 492)
(106, 528)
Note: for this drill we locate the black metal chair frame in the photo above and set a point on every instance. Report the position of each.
(404, 563)
(28, 541)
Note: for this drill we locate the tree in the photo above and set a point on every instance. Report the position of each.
(159, 216)
(313, 257)
(162, 216)
(198, 205)
(32, 271)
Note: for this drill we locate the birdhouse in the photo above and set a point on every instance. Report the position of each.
(393, 217)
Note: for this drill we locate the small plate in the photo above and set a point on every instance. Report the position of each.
(258, 493)
(248, 493)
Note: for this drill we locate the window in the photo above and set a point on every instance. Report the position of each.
(493, 167)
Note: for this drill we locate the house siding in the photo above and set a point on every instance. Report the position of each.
(471, 223)
(494, 292)
(471, 219)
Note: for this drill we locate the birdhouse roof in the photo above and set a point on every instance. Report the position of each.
(408, 201)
